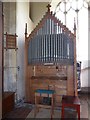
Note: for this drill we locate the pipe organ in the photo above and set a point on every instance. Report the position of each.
(50, 47)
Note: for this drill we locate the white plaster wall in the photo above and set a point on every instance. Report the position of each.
(84, 78)
(54, 4)
(85, 73)
(38, 9)
(22, 17)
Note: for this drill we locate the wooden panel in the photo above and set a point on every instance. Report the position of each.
(62, 87)
(50, 77)
(37, 82)
(70, 81)
(58, 85)
(28, 84)
(52, 70)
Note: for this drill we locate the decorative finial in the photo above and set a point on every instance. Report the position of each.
(74, 26)
(48, 6)
(26, 28)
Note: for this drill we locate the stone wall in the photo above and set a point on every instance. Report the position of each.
(0, 60)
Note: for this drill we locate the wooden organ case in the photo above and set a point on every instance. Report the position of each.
(50, 54)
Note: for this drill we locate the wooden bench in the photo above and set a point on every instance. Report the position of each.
(44, 93)
(70, 102)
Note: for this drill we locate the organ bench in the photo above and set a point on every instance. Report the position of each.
(44, 93)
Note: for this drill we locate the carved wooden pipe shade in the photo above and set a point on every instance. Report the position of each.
(51, 44)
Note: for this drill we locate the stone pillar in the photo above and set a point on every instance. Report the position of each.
(88, 57)
(9, 11)
(22, 17)
(1, 60)
(89, 33)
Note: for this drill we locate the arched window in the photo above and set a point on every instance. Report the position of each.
(67, 11)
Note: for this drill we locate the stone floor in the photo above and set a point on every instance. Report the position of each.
(69, 113)
(85, 105)
(84, 109)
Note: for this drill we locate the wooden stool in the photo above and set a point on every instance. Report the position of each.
(70, 101)
(44, 93)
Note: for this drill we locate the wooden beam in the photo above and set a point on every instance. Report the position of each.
(50, 77)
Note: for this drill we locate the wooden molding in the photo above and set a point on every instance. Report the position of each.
(50, 77)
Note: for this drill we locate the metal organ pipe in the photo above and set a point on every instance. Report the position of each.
(50, 44)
